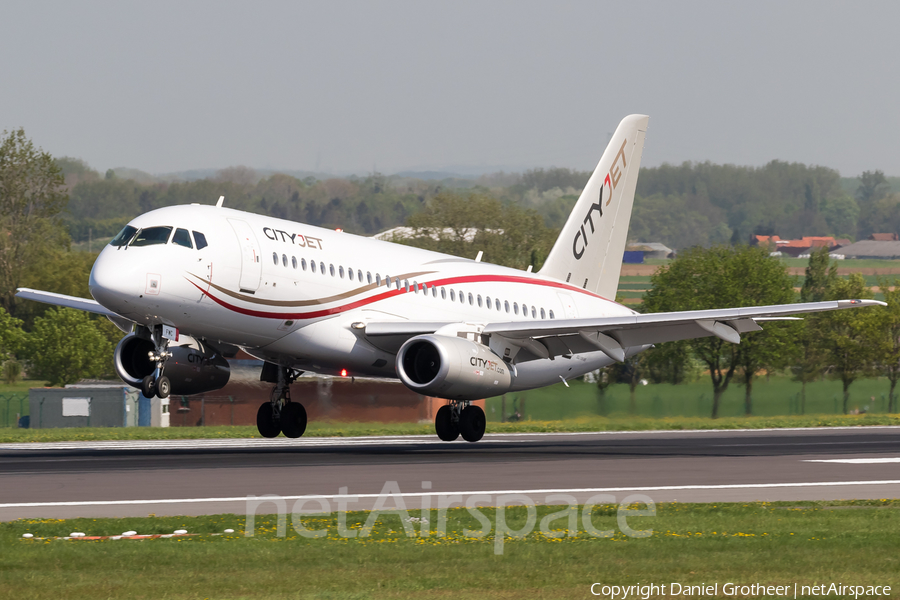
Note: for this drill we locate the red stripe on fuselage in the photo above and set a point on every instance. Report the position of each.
(390, 294)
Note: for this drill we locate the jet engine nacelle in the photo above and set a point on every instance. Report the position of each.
(193, 368)
(452, 367)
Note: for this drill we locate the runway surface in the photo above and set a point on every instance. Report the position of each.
(190, 477)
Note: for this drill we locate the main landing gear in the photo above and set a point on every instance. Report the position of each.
(280, 414)
(460, 418)
(157, 384)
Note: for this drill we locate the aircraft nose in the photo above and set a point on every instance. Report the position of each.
(111, 281)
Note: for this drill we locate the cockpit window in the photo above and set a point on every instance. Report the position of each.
(152, 235)
(124, 236)
(182, 238)
(201, 240)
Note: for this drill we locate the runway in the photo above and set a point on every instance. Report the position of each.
(191, 477)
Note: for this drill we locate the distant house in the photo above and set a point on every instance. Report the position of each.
(884, 237)
(795, 248)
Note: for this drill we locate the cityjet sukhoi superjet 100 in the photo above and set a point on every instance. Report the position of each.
(191, 285)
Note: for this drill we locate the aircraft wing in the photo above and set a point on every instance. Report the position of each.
(85, 304)
(613, 334)
(548, 338)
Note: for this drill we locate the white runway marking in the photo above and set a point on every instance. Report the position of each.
(387, 440)
(736, 486)
(858, 461)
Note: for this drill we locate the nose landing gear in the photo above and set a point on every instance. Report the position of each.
(157, 384)
(280, 414)
(460, 417)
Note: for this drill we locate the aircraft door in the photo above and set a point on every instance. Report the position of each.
(568, 305)
(251, 268)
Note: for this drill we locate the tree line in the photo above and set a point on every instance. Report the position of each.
(692, 204)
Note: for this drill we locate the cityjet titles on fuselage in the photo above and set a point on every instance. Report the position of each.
(297, 239)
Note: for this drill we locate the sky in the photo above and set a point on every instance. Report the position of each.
(461, 86)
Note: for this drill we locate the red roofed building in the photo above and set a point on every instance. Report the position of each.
(884, 237)
(797, 247)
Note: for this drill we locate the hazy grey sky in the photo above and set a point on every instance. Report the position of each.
(390, 85)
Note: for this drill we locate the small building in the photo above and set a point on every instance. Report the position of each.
(647, 250)
(886, 250)
(95, 405)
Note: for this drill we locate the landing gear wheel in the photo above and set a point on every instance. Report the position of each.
(148, 386)
(163, 387)
(293, 420)
(472, 423)
(265, 421)
(444, 426)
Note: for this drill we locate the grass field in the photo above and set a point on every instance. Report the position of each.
(808, 543)
(771, 397)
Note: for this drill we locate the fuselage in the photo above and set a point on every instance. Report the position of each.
(299, 295)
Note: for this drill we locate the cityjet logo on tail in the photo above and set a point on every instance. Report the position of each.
(609, 183)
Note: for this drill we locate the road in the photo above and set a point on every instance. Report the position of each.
(100, 479)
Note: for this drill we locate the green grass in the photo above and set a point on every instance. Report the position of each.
(809, 543)
(775, 396)
(331, 429)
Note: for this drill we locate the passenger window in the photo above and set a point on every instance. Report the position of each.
(350, 274)
(275, 257)
(515, 308)
(284, 259)
(506, 305)
(369, 277)
(471, 299)
(358, 275)
(340, 271)
(201, 240)
(415, 287)
(123, 237)
(377, 279)
(182, 238)
(294, 262)
(543, 314)
(452, 296)
(312, 265)
(533, 313)
(443, 293)
(406, 284)
(551, 314)
(152, 236)
(321, 267)
(433, 292)
(479, 300)
(488, 299)
(462, 299)
(397, 282)
(303, 264)
(331, 269)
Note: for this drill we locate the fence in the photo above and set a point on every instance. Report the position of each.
(12, 407)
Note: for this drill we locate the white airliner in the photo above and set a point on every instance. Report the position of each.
(190, 285)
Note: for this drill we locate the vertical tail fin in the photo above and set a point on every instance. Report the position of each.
(590, 247)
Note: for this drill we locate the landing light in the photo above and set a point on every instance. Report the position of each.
(343, 372)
